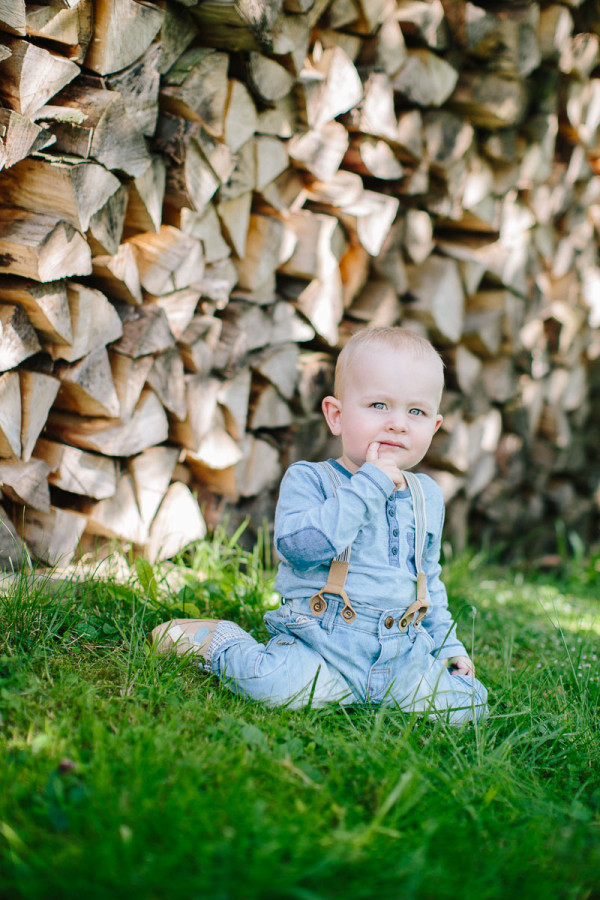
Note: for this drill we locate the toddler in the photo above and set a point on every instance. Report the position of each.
(364, 614)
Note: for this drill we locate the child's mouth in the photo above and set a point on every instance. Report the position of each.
(392, 445)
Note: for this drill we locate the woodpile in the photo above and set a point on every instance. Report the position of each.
(201, 201)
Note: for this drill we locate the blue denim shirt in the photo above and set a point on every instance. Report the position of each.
(312, 526)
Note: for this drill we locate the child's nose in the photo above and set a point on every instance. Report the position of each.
(397, 422)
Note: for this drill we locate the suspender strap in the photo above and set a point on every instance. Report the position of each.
(338, 569)
(418, 609)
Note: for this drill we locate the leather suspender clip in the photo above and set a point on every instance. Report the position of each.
(336, 580)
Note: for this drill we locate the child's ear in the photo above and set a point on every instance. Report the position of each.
(332, 410)
(438, 421)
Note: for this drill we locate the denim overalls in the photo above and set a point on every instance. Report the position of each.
(326, 650)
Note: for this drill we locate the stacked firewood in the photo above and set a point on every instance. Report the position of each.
(201, 201)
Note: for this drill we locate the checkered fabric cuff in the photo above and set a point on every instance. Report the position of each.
(225, 633)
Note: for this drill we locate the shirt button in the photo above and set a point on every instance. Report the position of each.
(395, 551)
(395, 532)
(389, 622)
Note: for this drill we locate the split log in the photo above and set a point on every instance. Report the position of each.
(370, 219)
(138, 85)
(178, 523)
(424, 20)
(13, 552)
(279, 365)
(166, 379)
(234, 216)
(77, 471)
(315, 379)
(151, 472)
(270, 243)
(438, 297)
(218, 281)
(18, 340)
(93, 123)
(70, 28)
(178, 307)
(26, 483)
(201, 402)
(196, 87)
(41, 247)
(118, 275)
(233, 397)
(377, 304)
(147, 427)
(107, 224)
(321, 150)
(271, 160)
(129, 377)
(53, 537)
(213, 463)
(87, 386)
(205, 227)
(73, 191)
(260, 468)
(123, 30)
(176, 34)
(269, 80)
(167, 261)
(38, 393)
(10, 415)
(425, 78)
(145, 331)
(13, 16)
(31, 75)
(94, 322)
(20, 137)
(268, 409)
(239, 176)
(118, 516)
(386, 50)
(331, 88)
(490, 101)
(237, 25)
(146, 195)
(321, 301)
(241, 117)
(373, 158)
(198, 343)
(376, 115)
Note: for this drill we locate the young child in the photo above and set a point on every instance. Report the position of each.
(376, 630)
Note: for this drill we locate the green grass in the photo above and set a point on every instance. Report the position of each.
(126, 775)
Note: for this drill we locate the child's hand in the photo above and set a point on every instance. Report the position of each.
(460, 665)
(385, 463)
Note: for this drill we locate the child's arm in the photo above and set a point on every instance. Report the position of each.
(311, 530)
(438, 621)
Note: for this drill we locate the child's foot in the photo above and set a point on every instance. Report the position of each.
(184, 636)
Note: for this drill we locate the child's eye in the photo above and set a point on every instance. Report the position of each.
(415, 411)
(378, 405)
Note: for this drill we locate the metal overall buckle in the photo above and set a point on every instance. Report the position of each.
(336, 580)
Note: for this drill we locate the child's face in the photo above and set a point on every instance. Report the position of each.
(391, 398)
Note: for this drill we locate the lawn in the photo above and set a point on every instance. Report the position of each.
(127, 775)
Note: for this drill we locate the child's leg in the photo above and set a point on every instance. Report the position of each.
(284, 672)
(432, 689)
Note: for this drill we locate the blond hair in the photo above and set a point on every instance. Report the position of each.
(395, 337)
